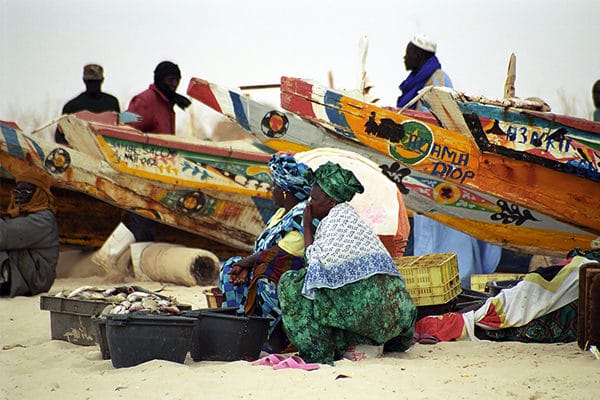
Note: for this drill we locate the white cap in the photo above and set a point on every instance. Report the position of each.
(423, 42)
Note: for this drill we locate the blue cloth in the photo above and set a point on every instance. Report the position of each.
(291, 221)
(266, 294)
(474, 256)
(345, 250)
(416, 81)
(289, 175)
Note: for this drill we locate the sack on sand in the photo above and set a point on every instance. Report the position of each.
(164, 262)
(116, 244)
(136, 255)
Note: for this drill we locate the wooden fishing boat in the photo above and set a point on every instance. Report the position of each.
(448, 154)
(440, 194)
(517, 129)
(86, 222)
(217, 190)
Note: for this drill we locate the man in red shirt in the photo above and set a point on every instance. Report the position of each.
(155, 104)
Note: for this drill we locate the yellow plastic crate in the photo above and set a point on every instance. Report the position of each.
(478, 281)
(430, 279)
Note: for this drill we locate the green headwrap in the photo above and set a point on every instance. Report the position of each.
(340, 184)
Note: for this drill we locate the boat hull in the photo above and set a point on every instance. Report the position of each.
(230, 214)
(482, 215)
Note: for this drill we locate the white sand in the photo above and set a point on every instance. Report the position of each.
(32, 366)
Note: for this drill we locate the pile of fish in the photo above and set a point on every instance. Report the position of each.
(126, 299)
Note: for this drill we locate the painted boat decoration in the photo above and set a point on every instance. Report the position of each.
(219, 191)
(482, 215)
(511, 128)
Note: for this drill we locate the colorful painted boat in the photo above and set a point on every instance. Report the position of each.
(511, 127)
(478, 213)
(80, 228)
(449, 154)
(219, 191)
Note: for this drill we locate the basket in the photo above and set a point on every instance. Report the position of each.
(430, 279)
(479, 281)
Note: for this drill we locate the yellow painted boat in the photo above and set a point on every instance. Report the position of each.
(217, 191)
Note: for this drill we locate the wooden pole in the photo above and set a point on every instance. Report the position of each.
(511, 77)
(266, 86)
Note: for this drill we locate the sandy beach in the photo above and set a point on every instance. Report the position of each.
(34, 367)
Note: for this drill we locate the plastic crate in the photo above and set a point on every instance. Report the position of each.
(430, 279)
(70, 319)
(478, 281)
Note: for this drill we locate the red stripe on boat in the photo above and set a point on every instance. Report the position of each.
(200, 90)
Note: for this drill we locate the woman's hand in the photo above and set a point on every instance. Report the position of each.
(238, 275)
(307, 220)
(307, 213)
(240, 269)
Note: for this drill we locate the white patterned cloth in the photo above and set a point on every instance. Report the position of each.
(345, 250)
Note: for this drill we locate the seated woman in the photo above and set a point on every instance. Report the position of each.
(250, 283)
(351, 291)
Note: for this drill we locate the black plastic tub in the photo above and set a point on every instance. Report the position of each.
(99, 324)
(134, 339)
(220, 335)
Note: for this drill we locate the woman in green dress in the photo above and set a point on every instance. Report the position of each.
(351, 291)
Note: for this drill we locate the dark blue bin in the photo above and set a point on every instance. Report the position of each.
(220, 335)
(134, 339)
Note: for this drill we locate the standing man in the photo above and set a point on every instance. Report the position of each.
(425, 70)
(155, 107)
(429, 236)
(93, 99)
(155, 104)
(596, 98)
(29, 243)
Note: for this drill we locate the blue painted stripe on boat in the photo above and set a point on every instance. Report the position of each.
(240, 114)
(499, 114)
(12, 142)
(39, 150)
(332, 109)
(507, 116)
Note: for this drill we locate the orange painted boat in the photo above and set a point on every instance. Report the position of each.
(436, 184)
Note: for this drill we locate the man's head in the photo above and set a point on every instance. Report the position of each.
(418, 51)
(167, 76)
(596, 94)
(23, 192)
(93, 76)
(32, 192)
(93, 72)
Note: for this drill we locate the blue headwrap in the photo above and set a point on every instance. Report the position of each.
(289, 175)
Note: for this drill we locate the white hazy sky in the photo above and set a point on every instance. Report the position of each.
(45, 43)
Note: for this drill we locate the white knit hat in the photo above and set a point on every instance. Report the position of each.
(423, 42)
